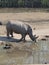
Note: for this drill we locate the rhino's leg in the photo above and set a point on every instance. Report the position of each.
(11, 33)
(8, 34)
(23, 38)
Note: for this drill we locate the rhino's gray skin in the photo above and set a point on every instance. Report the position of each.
(20, 28)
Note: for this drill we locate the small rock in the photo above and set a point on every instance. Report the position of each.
(45, 63)
(47, 36)
(43, 39)
(6, 47)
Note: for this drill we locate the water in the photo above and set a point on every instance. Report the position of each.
(30, 53)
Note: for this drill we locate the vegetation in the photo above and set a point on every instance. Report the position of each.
(25, 3)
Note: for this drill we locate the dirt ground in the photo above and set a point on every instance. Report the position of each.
(28, 52)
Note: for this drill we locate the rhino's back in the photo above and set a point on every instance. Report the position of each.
(19, 27)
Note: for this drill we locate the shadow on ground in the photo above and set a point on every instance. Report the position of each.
(3, 38)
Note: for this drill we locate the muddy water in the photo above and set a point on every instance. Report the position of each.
(25, 53)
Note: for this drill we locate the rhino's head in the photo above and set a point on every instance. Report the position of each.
(35, 37)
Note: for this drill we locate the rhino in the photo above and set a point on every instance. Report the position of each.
(20, 28)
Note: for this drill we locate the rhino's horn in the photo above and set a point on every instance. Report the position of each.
(35, 37)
